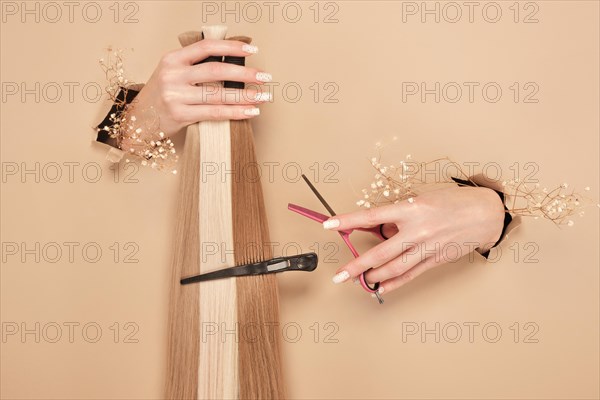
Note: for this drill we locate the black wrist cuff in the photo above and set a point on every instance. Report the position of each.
(507, 216)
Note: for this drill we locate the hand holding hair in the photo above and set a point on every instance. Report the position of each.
(430, 230)
(173, 92)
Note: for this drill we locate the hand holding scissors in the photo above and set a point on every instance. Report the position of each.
(345, 234)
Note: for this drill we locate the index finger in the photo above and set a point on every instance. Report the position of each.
(211, 47)
(366, 218)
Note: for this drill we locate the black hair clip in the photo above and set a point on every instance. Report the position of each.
(301, 262)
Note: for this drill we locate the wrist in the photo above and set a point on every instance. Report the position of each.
(492, 216)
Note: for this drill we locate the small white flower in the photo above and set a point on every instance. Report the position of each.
(570, 223)
(411, 200)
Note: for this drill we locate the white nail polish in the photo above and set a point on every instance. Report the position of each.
(248, 48)
(331, 223)
(252, 112)
(341, 277)
(263, 77)
(264, 96)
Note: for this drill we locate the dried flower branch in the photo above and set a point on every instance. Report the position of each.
(138, 135)
(395, 183)
(558, 205)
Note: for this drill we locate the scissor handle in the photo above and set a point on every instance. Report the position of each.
(363, 282)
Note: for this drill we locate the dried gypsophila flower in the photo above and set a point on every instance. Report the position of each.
(393, 184)
(115, 74)
(557, 205)
(144, 140)
(147, 141)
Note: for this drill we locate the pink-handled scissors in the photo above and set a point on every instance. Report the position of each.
(345, 234)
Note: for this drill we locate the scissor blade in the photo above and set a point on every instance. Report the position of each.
(321, 199)
(315, 216)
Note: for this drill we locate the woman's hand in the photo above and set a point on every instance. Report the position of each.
(172, 94)
(435, 228)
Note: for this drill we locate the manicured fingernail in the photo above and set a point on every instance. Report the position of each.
(341, 277)
(331, 223)
(248, 48)
(263, 96)
(263, 77)
(252, 112)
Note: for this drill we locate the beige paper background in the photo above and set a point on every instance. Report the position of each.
(367, 53)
